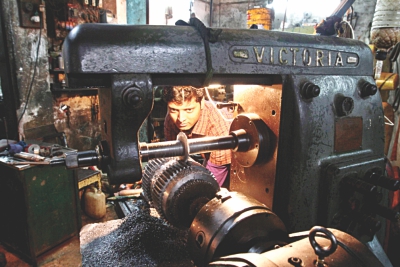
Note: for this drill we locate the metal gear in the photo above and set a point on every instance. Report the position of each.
(178, 189)
(151, 170)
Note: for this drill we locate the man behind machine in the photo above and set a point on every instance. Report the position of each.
(190, 113)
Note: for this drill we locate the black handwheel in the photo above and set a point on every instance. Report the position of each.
(322, 252)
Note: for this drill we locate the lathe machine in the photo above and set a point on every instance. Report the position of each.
(307, 139)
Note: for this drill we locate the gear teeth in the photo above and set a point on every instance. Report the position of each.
(159, 174)
(161, 182)
(152, 167)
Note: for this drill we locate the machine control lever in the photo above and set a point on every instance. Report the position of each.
(363, 187)
(384, 181)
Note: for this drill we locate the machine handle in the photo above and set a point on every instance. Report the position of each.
(322, 252)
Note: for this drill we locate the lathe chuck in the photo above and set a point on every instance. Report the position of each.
(178, 189)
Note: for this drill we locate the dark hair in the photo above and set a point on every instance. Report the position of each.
(180, 94)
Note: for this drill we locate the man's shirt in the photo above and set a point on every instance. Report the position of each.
(210, 123)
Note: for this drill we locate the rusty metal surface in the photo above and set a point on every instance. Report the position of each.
(306, 147)
(358, 255)
(257, 133)
(94, 49)
(259, 180)
(222, 227)
(121, 118)
(348, 134)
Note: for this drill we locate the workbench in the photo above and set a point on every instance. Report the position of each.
(39, 208)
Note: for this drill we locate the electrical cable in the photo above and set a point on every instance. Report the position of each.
(387, 78)
(209, 36)
(394, 52)
(345, 32)
(396, 101)
(34, 72)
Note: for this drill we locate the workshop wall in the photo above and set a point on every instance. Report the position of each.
(225, 13)
(29, 45)
(362, 18)
(81, 125)
(136, 12)
(39, 105)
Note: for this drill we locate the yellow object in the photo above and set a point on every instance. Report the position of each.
(95, 203)
(259, 16)
(388, 81)
(94, 178)
(373, 48)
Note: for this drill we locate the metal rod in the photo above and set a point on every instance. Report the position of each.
(342, 8)
(88, 158)
(211, 12)
(196, 146)
(28, 162)
(208, 144)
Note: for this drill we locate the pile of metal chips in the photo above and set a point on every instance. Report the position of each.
(139, 239)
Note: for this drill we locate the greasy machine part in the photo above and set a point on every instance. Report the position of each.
(300, 252)
(258, 147)
(233, 223)
(178, 189)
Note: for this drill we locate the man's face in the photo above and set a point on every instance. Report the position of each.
(185, 115)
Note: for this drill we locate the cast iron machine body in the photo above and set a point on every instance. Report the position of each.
(313, 122)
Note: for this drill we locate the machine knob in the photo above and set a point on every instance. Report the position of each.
(380, 55)
(132, 97)
(368, 89)
(310, 90)
(344, 105)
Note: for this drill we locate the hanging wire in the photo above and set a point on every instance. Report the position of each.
(388, 121)
(34, 71)
(393, 57)
(348, 31)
